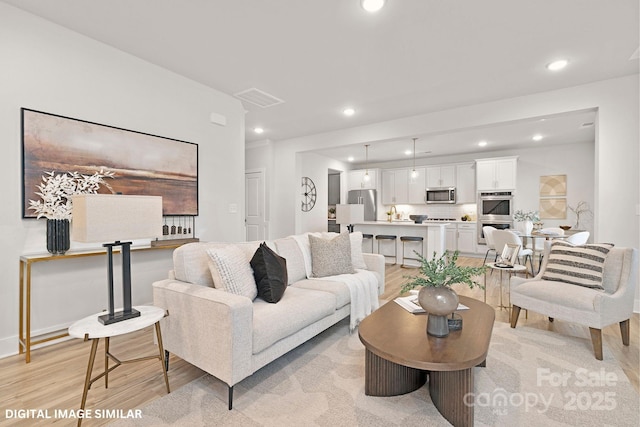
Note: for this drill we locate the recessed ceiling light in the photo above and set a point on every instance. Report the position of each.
(258, 130)
(372, 6)
(350, 158)
(348, 111)
(537, 137)
(482, 144)
(557, 65)
(407, 152)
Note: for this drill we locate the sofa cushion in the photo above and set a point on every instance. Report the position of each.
(231, 271)
(339, 290)
(578, 265)
(289, 249)
(270, 273)
(191, 262)
(297, 309)
(357, 259)
(562, 294)
(331, 257)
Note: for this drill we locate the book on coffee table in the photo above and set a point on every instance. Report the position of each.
(410, 303)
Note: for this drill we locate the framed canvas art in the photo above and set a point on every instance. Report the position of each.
(142, 163)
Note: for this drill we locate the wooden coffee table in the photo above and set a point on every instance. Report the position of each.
(400, 355)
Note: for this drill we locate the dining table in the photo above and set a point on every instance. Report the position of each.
(537, 234)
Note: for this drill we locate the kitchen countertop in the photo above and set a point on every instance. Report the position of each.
(405, 223)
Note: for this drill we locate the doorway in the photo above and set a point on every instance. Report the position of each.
(256, 225)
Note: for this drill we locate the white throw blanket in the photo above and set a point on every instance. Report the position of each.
(363, 285)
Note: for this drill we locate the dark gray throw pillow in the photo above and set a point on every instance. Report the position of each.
(270, 272)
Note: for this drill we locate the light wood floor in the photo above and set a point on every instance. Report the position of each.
(54, 379)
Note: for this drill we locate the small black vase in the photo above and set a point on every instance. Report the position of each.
(58, 241)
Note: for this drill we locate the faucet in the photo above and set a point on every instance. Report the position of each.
(393, 210)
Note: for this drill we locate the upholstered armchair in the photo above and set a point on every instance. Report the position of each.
(591, 307)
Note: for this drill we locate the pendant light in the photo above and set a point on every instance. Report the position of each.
(414, 172)
(366, 176)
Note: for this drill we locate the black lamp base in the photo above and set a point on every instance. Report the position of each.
(118, 316)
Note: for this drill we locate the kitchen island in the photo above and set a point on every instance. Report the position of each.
(433, 233)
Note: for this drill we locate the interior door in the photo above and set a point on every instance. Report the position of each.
(255, 221)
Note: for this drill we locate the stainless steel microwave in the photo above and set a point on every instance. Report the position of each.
(441, 195)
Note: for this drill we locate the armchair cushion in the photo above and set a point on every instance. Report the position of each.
(574, 297)
(577, 265)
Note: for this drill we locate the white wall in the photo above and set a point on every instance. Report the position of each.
(48, 68)
(616, 192)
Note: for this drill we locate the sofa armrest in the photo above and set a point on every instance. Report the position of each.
(375, 262)
(209, 328)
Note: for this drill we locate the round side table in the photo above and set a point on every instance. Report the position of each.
(515, 269)
(91, 329)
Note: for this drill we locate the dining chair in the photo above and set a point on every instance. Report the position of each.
(578, 238)
(487, 231)
(503, 237)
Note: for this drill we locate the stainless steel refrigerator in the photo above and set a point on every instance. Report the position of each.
(367, 198)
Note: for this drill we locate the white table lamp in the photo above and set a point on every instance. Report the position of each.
(349, 215)
(99, 218)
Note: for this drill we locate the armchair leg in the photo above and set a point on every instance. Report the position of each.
(624, 330)
(551, 319)
(515, 312)
(230, 397)
(596, 339)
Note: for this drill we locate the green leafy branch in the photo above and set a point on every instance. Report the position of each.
(443, 272)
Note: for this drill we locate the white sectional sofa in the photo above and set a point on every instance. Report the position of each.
(230, 336)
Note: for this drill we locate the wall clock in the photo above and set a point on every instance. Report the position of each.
(308, 194)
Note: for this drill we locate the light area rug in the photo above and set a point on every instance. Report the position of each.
(532, 378)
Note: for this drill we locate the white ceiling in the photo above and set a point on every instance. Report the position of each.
(413, 57)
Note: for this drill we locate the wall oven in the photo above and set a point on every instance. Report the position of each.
(495, 208)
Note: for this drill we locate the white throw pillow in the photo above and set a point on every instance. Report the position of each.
(356, 250)
(231, 271)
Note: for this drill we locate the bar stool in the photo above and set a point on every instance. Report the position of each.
(368, 236)
(392, 238)
(405, 239)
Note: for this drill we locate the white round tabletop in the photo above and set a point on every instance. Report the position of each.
(92, 327)
(516, 268)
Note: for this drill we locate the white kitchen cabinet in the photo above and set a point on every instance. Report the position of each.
(465, 183)
(496, 173)
(355, 179)
(441, 176)
(417, 187)
(467, 238)
(395, 188)
(451, 233)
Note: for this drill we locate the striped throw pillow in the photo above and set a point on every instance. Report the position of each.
(579, 265)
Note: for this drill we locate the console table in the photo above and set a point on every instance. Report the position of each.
(25, 340)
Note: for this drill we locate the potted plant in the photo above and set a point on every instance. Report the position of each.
(55, 191)
(332, 212)
(525, 221)
(435, 295)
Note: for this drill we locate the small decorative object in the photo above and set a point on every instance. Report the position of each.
(525, 221)
(56, 191)
(436, 296)
(454, 322)
(580, 210)
(308, 194)
(565, 227)
(332, 213)
(390, 216)
(509, 256)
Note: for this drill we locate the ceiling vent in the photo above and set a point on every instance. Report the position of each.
(258, 97)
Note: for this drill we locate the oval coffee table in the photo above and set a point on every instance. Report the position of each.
(400, 355)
